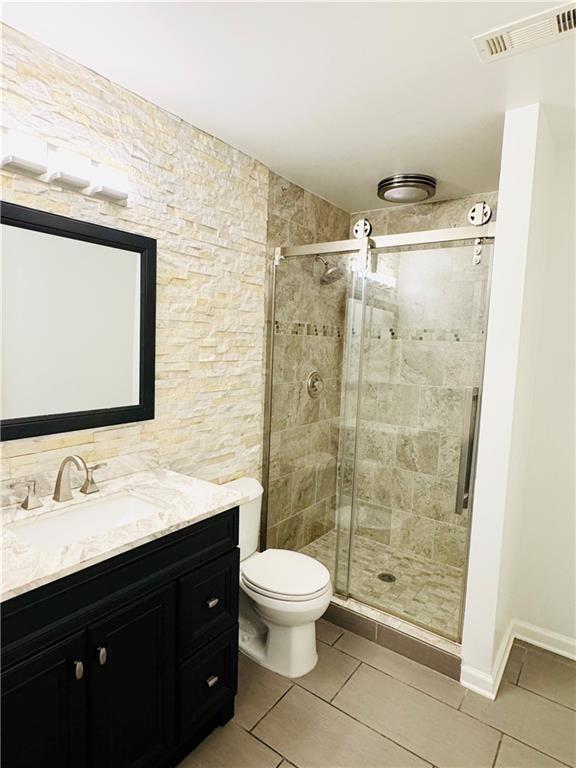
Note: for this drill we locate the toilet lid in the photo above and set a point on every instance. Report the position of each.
(285, 573)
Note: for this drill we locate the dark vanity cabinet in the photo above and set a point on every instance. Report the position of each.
(128, 663)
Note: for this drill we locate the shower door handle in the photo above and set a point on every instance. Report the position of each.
(471, 395)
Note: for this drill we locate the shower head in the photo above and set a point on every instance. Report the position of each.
(330, 274)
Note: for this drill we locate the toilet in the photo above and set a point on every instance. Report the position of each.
(282, 595)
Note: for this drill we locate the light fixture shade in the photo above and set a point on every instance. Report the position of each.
(21, 152)
(109, 184)
(71, 169)
(407, 188)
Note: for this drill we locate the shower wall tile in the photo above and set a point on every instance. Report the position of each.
(417, 218)
(434, 497)
(450, 545)
(279, 499)
(423, 344)
(397, 404)
(449, 456)
(303, 488)
(308, 335)
(421, 363)
(376, 442)
(412, 534)
(417, 450)
(393, 487)
(442, 409)
(374, 521)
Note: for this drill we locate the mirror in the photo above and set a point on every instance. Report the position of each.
(78, 324)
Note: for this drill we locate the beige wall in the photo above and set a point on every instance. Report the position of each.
(212, 210)
(206, 204)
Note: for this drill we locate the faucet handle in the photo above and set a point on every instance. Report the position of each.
(89, 484)
(32, 501)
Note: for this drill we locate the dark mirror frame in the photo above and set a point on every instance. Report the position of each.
(28, 218)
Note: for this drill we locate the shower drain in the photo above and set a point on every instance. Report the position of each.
(387, 577)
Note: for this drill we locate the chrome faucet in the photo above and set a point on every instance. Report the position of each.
(62, 489)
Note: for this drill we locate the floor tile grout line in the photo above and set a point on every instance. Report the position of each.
(497, 749)
(365, 725)
(409, 685)
(452, 709)
(546, 698)
(345, 681)
(270, 709)
(535, 749)
(399, 744)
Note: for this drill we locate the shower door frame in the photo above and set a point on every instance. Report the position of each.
(363, 247)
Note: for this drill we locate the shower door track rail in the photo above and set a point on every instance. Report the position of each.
(389, 241)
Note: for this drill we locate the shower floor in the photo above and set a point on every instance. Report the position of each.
(424, 593)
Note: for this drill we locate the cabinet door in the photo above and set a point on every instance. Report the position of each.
(44, 708)
(132, 698)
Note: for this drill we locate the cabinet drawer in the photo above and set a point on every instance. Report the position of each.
(208, 602)
(207, 681)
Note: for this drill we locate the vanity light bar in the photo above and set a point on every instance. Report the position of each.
(25, 154)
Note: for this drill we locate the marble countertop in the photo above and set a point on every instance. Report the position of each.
(183, 500)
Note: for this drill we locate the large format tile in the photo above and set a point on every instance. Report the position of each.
(327, 632)
(550, 676)
(312, 734)
(418, 722)
(231, 747)
(330, 674)
(258, 690)
(514, 664)
(435, 684)
(513, 754)
(542, 724)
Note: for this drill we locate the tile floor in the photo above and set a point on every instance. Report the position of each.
(424, 592)
(367, 707)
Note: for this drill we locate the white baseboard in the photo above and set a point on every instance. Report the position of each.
(488, 684)
(543, 638)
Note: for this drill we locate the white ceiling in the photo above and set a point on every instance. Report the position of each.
(334, 96)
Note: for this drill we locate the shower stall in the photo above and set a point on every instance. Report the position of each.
(375, 362)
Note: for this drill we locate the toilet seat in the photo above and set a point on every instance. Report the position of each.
(285, 575)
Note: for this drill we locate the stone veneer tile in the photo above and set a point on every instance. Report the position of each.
(207, 205)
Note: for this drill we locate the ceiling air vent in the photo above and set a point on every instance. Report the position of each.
(539, 29)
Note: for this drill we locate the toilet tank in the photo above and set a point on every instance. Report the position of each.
(250, 511)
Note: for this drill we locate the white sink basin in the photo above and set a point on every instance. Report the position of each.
(83, 520)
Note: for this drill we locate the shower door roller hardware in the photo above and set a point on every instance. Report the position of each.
(314, 384)
(479, 214)
(78, 670)
(362, 228)
(477, 254)
(102, 656)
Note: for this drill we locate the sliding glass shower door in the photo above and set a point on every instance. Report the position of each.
(412, 374)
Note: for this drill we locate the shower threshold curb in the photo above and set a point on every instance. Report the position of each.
(390, 632)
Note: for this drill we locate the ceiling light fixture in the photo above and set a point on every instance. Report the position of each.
(407, 188)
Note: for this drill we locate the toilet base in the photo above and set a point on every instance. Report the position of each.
(288, 651)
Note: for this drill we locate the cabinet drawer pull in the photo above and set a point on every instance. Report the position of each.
(102, 656)
(212, 680)
(212, 602)
(78, 670)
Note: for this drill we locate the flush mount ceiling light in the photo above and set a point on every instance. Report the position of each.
(407, 188)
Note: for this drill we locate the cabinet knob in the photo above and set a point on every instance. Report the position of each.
(212, 680)
(212, 602)
(78, 670)
(102, 656)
